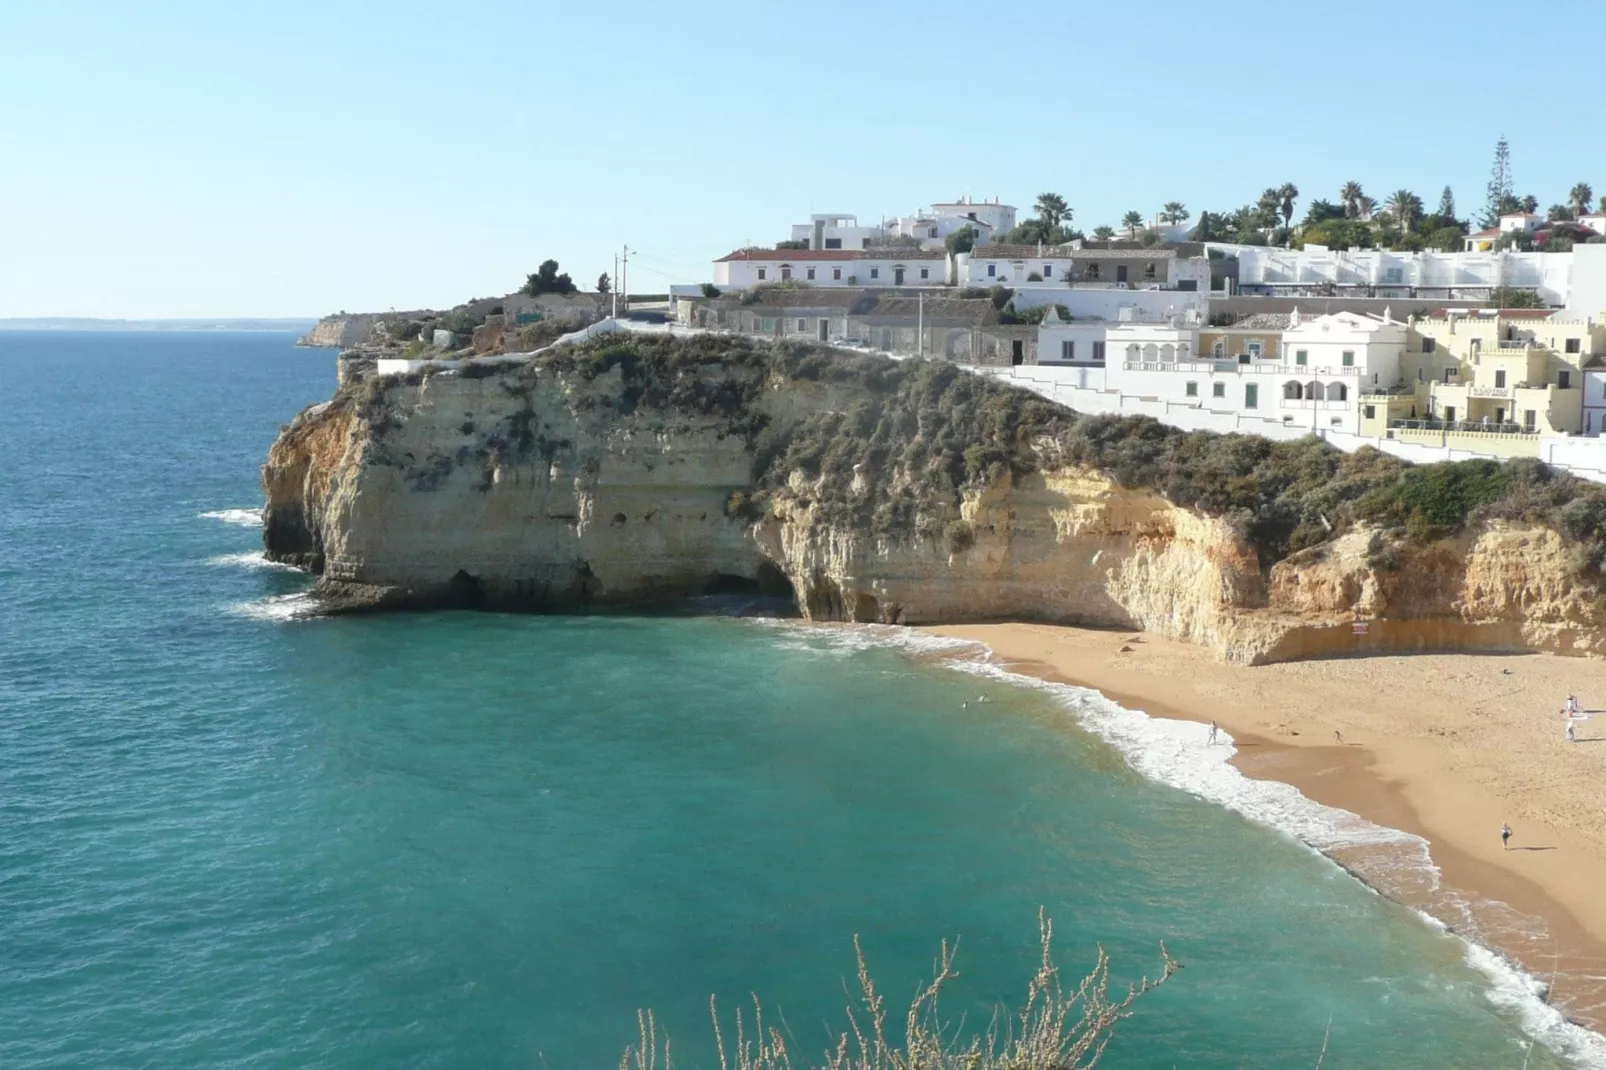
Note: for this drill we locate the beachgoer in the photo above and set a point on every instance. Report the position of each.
(1505, 836)
(1212, 733)
(1338, 737)
(1571, 724)
(1572, 706)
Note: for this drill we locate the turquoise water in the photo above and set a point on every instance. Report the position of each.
(228, 838)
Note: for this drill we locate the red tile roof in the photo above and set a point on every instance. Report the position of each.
(792, 256)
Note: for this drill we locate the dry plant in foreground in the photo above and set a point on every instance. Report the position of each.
(1056, 1029)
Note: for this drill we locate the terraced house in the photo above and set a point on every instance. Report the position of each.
(747, 269)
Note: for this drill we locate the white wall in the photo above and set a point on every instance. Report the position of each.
(1084, 303)
(1012, 272)
(1051, 339)
(1549, 273)
(1000, 216)
(1588, 293)
(881, 271)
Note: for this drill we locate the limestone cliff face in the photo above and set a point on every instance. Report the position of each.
(544, 486)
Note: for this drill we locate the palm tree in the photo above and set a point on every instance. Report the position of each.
(1529, 204)
(1132, 221)
(1350, 197)
(1405, 207)
(1103, 233)
(1175, 212)
(1364, 207)
(1289, 194)
(1580, 198)
(1051, 209)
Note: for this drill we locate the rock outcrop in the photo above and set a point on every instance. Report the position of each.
(555, 484)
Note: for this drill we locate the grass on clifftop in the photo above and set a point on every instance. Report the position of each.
(905, 440)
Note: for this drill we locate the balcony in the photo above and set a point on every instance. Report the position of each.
(1462, 427)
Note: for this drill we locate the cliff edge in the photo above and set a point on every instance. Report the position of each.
(634, 470)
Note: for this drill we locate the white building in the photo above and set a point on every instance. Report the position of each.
(1080, 342)
(748, 268)
(1316, 270)
(835, 230)
(999, 218)
(1157, 268)
(1595, 221)
(1347, 344)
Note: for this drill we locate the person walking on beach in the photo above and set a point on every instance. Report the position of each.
(1212, 740)
(1505, 837)
(1338, 737)
(1571, 726)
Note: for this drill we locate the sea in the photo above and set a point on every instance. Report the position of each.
(236, 834)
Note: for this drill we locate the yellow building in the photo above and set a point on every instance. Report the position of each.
(1253, 338)
(1509, 372)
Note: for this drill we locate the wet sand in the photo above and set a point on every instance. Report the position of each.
(1447, 747)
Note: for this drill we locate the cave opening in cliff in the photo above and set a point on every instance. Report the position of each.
(466, 591)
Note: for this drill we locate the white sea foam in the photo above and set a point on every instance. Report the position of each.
(245, 518)
(254, 559)
(1177, 753)
(281, 607)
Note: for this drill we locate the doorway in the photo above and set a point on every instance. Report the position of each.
(1017, 352)
(1120, 273)
(825, 328)
(897, 276)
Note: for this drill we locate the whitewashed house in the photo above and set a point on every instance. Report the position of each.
(836, 230)
(1078, 342)
(1595, 221)
(746, 269)
(998, 218)
(1319, 271)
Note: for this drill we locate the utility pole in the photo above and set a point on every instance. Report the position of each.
(920, 327)
(624, 278)
(615, 277)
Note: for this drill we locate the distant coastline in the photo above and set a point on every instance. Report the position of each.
(68, 323)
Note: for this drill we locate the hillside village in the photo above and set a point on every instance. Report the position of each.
(1484, 343)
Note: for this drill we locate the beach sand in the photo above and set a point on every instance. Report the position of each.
(1447, 747)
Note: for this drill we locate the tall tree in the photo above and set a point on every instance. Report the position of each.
(1364, 207)
(1270, 206)
(1499, 187)
(1103, 233)
(1051, 209)
(962, 240)
(1446, 205)
(1132, 221)
(1174, 212)
(1581, 197)
(1350, 197)
(604, 284)
(546, 280)
(1289, 194)
(1405, 207)
(1529, 203)
(1559, 213)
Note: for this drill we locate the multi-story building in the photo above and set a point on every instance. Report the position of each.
(997, 218)
(836, 230)
(1172, 267)
(746, 269)
(1505, 372)
(1321, 272)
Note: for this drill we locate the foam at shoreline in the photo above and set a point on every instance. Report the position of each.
(283, 607)
(244, 518)
(1177, 753)
(254, 559)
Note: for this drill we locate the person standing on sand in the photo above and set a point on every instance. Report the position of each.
(1212, 740)
(1571, 724)
(1505, 837)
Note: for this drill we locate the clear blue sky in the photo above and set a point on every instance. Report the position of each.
(295, 158)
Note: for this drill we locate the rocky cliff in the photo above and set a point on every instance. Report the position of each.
(621, 475)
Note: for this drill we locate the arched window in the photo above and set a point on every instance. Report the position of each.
(1182, 351)
(1133, 353)
(1337, 392)
(1219, 350)
(1314, 391)
(1168, 353)
(1151, 353)
(1293, 391)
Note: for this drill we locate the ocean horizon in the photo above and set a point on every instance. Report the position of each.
(236, 832)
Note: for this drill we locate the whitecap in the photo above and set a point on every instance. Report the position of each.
(283, 607)
(254, 559)
(245, 518)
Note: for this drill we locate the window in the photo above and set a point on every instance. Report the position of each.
(767, 325)
(1477, 346)
(1337, 392)
(992, 269)
(1048, 273)
(836, 273)
(833, 243)
(1092, 271)
(1254, 350)
(925, 273)
(1564, 380)
(786, 272)
(802, 325)
(875, 273)
(1098, 352)
(1219, 350)
(1251, 396)
(866, 244)
(760, 274)
(1573, 345)
(1429, 344)
(1218, 390)
(1349, 358)
(1336, 421)
(1528, 421)
(1067, 350)
(1148, 270)
(1500, 377)
(811, 274)
(1394, 274)
(1191, 389)
(1301, 357)
(1371, 412)
(932, 233)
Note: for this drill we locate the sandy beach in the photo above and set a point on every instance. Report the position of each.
(1448, 747)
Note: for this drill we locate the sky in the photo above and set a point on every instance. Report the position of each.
(168, 159)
